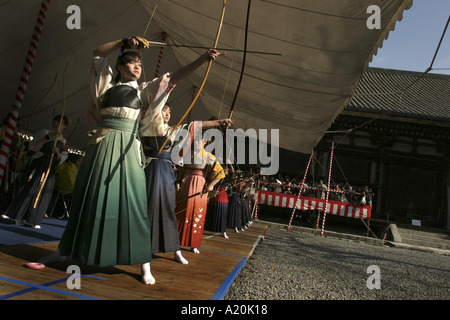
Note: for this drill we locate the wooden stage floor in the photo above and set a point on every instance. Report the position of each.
(208, 275)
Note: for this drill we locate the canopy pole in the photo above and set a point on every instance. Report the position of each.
(14, 114)
(300, 192)
(328, 191)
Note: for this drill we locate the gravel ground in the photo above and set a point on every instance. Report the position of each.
(297, 265)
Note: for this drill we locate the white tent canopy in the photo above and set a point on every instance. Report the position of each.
(326, 46)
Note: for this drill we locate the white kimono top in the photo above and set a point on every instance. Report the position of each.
(153, 95)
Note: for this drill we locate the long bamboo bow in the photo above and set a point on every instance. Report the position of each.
(241, 75)
(216, 41)
(243, 61)
(56, 139)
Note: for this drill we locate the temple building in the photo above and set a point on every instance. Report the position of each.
(394, 136)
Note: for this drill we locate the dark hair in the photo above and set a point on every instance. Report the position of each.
(124, 59)
(65, 119)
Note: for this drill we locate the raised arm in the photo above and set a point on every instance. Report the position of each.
(110, 47)
(188, 69)
(106, 49)
(216, 123)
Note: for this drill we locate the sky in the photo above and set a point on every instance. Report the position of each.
(413, 43)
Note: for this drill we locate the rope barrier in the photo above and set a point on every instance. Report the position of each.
(300, 192)
(328, 191)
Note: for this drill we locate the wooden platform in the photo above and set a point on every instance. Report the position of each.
(208, 275)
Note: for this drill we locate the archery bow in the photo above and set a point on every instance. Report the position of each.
(22, 142)
(242, 70)
(208, 176)
(216, 41)
(73, 131)
(243, 61)
(39, 102)
(56, 140)
(233, 182)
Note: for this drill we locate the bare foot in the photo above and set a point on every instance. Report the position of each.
(179, 257)
(195, 250)
(146, 274)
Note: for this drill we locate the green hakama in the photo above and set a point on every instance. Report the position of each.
(108, 221)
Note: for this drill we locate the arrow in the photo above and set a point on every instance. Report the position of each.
(163, 44)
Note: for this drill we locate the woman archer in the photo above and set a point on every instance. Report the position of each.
(161, 181)
(108, 223)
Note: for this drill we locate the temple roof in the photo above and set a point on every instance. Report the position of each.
(405, 94)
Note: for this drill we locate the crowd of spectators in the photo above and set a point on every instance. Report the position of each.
(343, 192)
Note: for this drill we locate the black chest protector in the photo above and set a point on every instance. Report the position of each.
(153, 143)
(121, 96)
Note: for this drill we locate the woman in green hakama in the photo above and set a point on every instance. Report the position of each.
(108, 223)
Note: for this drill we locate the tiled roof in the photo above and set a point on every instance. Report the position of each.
(403, 94)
